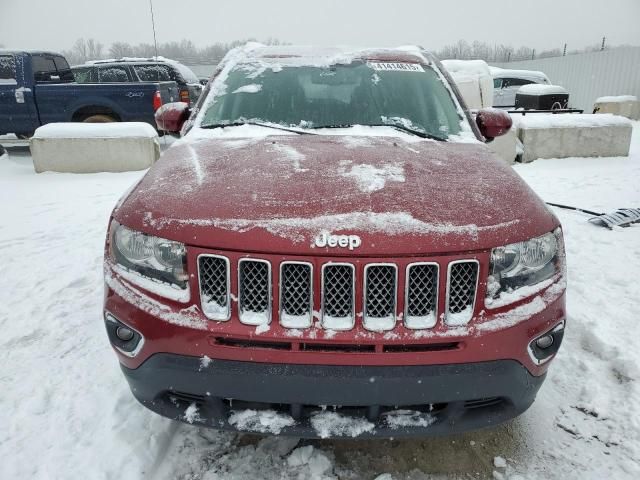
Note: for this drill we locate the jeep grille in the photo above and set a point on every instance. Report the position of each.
(461, 291)
(296, 304)
(417, 292)
(338, 296)
(422, 295)
(254, 288)
(380, 297)
(213, 272)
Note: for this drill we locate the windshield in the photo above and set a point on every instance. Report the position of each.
(372, 93)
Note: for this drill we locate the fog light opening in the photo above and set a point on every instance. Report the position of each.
(545, 341)
(124, 333)
(127, 340)
(543, 348)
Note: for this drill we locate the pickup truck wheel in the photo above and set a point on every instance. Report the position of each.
(99, 118)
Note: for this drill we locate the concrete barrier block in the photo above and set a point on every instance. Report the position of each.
(569, 135)
(505, 146)
(625, 105)
(94, 147)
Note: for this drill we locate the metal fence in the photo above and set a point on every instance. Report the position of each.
(587, 76)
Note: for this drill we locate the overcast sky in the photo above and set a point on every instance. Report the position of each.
(542, 24)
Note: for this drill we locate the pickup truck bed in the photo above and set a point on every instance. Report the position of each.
(31, 96)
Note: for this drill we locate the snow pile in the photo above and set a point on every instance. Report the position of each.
(337, 323)
(192, 414)
(318, 464)
(212, 308)
(577, 120)
(96, 130)
(294, 228)
(499, 462)
(251, 88)
(291, 154)
(617, 99)
(540, 89)
(263, 421)
(380, 324)
(460, 318)
(188, 317)
(408, 418)
(370, 178)
(327, 424)
(205, 362)
(509, 297)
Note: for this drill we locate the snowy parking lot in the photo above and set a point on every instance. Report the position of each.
(66, 411)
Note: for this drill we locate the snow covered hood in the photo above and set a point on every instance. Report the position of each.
(275, 194)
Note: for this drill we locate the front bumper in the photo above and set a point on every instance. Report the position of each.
(334, 401)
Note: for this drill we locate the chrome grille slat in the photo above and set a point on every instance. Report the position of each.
(461, 291)
(421, 295)
(380, 296)
(338, 288)
(296, 300)
(254, 291)
(213, 276)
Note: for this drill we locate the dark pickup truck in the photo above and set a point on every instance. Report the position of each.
(37, 88)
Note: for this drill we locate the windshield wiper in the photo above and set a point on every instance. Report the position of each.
(402, 128)
(258, 124)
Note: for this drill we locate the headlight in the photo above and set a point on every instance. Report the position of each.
(524, 264)
(156, 259)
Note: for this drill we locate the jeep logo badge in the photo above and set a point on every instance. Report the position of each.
(327, 240)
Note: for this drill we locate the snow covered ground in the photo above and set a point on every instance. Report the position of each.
(66, 412)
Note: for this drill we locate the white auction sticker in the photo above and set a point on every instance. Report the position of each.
(396, 67)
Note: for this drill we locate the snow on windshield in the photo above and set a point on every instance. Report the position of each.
(331, 88)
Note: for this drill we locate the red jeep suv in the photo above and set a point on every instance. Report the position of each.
(331, 250)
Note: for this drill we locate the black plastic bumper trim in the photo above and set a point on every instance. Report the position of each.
(461, 396)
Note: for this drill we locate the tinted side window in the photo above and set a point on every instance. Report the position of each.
(7, 69)
(113, 74)
(44, 68)
(86, 75)
(154, 73)
(64, 71)
(497, 83)
(516, 82)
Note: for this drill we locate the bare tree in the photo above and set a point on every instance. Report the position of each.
(94, 49)
(184, 50)
(84, 50)
(120, 49)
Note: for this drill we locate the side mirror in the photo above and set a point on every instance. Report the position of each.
(493, 122)
(171, 116)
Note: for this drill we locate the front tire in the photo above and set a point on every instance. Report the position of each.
(99, 118)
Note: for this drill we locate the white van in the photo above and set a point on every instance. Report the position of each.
(507, 82)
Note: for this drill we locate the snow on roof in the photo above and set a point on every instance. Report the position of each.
(185, 71)
(469, 67)
(96, 130)
(310, 55)
(550, 120)
(540, 89)
(498, 72)
(617, 99)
